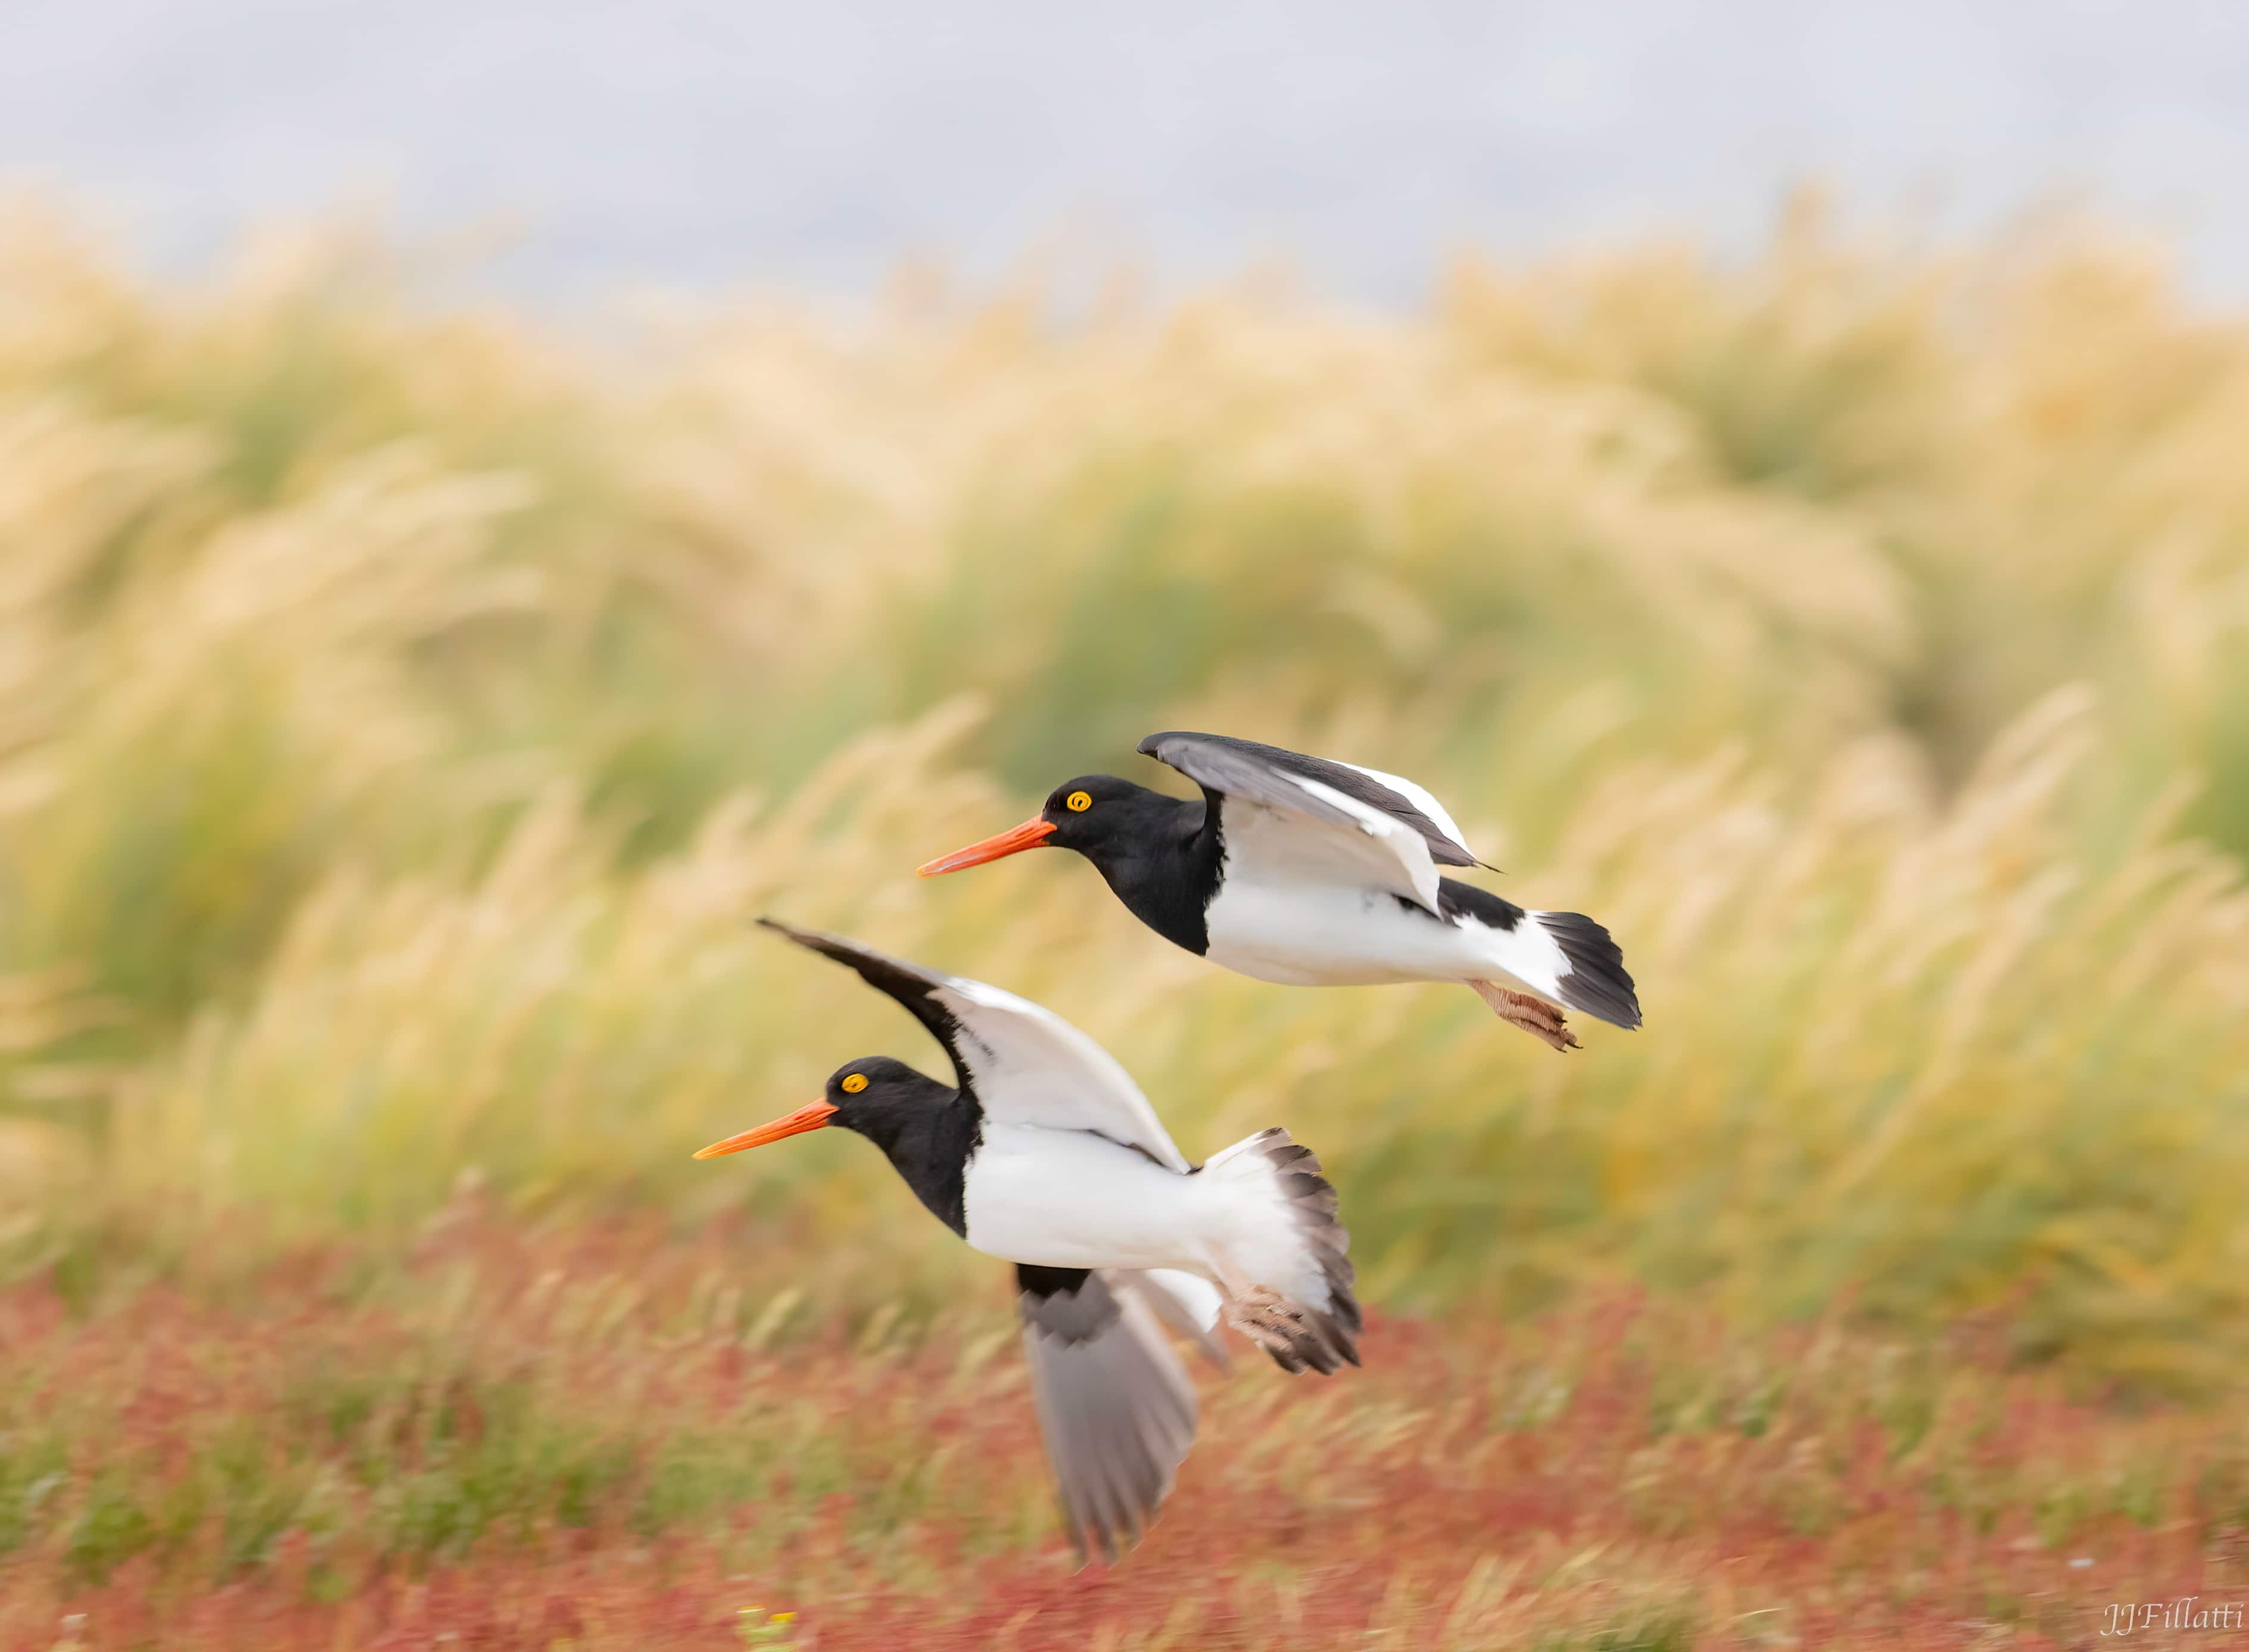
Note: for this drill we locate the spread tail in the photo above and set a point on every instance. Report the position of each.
(1288, 1268)
(1567, 961)
(1595, 981)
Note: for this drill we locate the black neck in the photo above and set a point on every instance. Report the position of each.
(928, 1138)
(1166, 873)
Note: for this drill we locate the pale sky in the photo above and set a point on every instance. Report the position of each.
(700, 143)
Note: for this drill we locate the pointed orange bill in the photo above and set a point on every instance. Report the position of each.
(1014, 840)
(795, 1124)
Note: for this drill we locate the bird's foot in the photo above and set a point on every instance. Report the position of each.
(1535, 1015)
(1272, 1323)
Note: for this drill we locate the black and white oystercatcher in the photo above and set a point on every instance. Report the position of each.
(1314, 873)
(1047, 1155)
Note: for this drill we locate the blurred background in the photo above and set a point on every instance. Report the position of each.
(490, 503)
(701, 145)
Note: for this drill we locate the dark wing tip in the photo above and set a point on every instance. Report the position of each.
(912, 986)
(843, 951)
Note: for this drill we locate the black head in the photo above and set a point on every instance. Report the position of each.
(927, 1130)
(1103, 817)
(877, 1095)
(1107, 820)
(882, 1098)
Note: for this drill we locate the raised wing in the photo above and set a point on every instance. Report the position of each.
(1404, 833)
(1115, 1410)
(1448, 836)
(1023, 1064)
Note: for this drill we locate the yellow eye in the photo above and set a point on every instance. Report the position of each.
(1077, 802)
(856, 1083)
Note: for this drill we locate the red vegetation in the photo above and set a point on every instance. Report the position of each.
(587, 1440)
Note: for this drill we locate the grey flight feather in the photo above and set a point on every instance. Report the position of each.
(1115, 1407)
(1261, 773)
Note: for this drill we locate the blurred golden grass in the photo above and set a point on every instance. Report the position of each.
(402, 709)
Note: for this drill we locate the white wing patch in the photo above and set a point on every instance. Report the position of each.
(1405, 847)
(1028, 1066)
(1186, 1304)
(1419, 797)
(1198, 1300)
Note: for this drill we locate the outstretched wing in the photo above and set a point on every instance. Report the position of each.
(1115, 1409)
(1387, 827)
(1022, 1063)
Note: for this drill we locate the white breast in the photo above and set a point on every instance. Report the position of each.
(1338, 935)
(1070, 1199)
(1311, 907)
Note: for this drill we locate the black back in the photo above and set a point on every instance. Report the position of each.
(1457, 899)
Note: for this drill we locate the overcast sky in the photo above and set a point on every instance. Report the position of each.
(816, 142)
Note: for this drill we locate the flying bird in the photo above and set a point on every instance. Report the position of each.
(1314, 873)
(1043, 1153)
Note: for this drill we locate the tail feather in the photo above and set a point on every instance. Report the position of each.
(1565, 958)
(1292, 1278)
(1596, 980)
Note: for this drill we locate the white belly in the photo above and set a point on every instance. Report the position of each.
(1335, 936)
(1065, 1199)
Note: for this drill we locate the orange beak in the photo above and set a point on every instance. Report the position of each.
(1014, 840)
(795, 1124)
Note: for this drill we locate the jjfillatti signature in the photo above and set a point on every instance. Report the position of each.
(2187, 1612)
